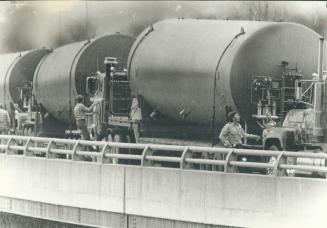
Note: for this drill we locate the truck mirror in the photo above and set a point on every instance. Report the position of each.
(91, 85)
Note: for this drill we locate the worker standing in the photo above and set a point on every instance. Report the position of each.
(80, 111)
(4, 121)
(232, 133)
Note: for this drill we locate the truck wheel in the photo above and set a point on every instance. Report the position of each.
(116, 138)
(109, 138)
(113, 150)
(30, 131)
(272, 160)
(17, 131)
(273, 147)
(25, 131)
(128, 140)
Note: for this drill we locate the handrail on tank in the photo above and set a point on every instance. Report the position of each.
(78, 150)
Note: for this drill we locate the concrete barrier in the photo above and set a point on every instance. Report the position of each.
(226, 199)
(63, 182)
(200, 197)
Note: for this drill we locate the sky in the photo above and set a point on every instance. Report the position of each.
(31, 24)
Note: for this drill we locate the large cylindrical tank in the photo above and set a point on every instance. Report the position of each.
(15, 70)
(62, 74)
(174, 63)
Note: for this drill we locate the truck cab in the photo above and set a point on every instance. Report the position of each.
(294, 134)
(110, 118)
(25, 111)
(277, 102)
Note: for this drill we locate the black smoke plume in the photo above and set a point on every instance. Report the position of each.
(33, 24)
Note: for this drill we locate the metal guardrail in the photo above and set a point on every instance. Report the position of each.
(224, 159)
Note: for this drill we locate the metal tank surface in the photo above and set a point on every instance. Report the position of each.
(62, 75)
(195, 66)
(15, 70)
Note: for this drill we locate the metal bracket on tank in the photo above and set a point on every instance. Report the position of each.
(10, 68)
(216, 77)
(70, 111)
(133, 49)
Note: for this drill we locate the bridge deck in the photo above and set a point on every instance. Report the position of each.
(96, 194)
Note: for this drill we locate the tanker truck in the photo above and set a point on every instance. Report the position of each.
(38, 87)
(185, 75)
(303, 128)
(16, 78)
(62, 74)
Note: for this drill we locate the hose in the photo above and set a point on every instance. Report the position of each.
(213, 119)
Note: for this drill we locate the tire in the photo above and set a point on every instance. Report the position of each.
(274, 147)
(272, 160)
(128, 140)
(25, 131)
(30, 131)
(109, 138)
(115, 138)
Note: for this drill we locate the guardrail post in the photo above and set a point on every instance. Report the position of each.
(181, 165)
(114, 150)
(103, 158)
(230, 157)
(11, 144)
(280, 160)
(8, 145)
(26, 152)
(48, 153)
(146, 150)
(75, 157)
